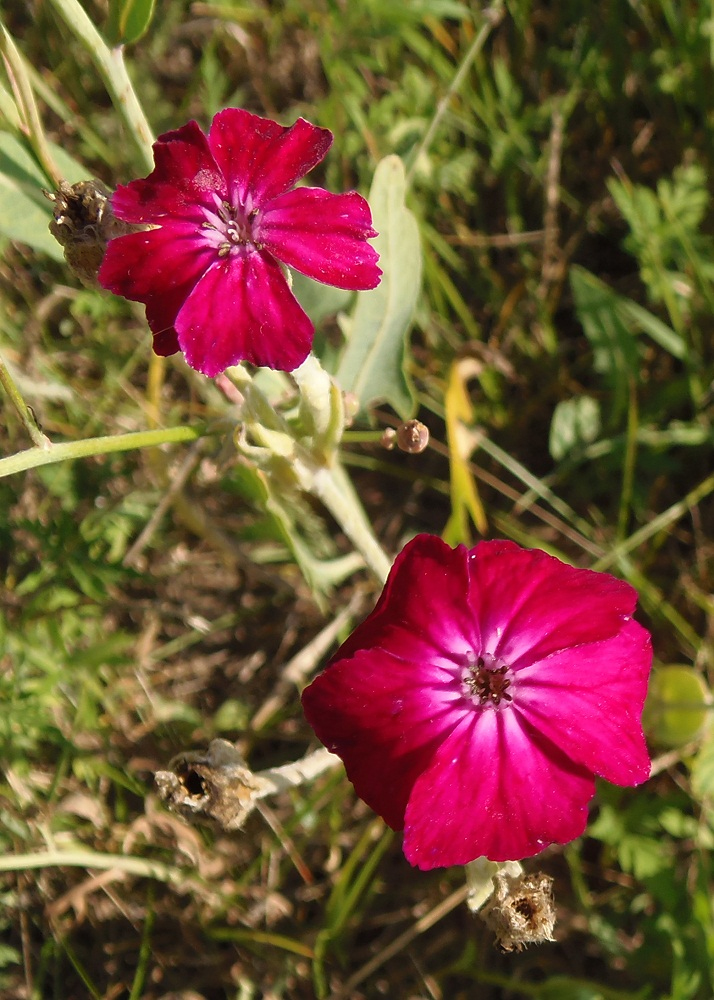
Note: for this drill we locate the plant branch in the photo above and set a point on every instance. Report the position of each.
(112, 69)
(34, 457)
(41, 441)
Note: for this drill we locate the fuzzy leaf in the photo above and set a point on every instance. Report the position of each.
(372, 366)
(288, 516)
(25, 213)
(677, 705)
(703, 770)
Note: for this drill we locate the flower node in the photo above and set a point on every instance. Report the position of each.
(412, 437)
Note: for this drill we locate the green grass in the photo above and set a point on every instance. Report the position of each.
(564, 204)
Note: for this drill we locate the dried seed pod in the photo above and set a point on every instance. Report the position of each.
(214, 785)
(83, 223)
(521, 910)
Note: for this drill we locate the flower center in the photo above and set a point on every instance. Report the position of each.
(232, 227)
(486, 679)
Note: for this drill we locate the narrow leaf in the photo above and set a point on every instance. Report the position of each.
(372, 366)
(609, 333)
(465, 501)
(659, 332)
(128, 20)
(25, 213)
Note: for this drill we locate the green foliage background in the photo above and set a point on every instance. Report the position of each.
(564, 203)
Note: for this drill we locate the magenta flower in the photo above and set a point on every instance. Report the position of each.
(222, 216)
(476, 703)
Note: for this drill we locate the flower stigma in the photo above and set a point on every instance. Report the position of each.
(486, 680)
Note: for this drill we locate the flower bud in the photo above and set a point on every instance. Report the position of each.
(412, 437)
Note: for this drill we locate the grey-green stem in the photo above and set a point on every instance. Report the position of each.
(110, 65)
(40, 440)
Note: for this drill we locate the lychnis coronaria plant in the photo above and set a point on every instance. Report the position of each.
(222, 214)
(476, 704)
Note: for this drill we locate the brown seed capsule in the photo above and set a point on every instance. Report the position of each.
(212, 785)
(83, 223)
(412, 437)
(521, 910)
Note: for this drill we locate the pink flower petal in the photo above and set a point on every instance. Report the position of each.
(424, 597)
(166, 343)
(553, 606)
(243, 310)
(476, 753)
(384, 716)
(588, 701)
(159, 261)
(184, 178)
(259, 158)
(322, 235)
(159, 268)
(494, 790)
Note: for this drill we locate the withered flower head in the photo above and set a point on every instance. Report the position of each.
(521, 910)
(214, 785)
(83, 223)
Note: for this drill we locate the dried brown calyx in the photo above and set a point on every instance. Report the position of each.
(521, 910)
(83, 223)
(214, 785)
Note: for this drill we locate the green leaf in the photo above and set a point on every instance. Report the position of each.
(643, 856)
(318, 300)
(232, 714)
(372, 366)
(610, 336)
(128, 20)
(659, 332)
(575, 422)
(304, 536)
(677, 705)
(703, 770)
(25, 213)
(9, 956)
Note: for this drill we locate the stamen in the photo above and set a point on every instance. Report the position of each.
(232, 223)
(488, 684)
